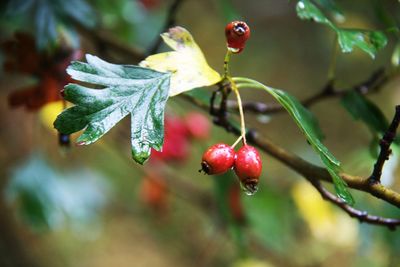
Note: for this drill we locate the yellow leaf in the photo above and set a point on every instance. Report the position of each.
(187, 64)
(252, 263)
(49, 113)
(325, 223)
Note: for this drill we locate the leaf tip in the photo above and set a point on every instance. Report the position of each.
(140, 158)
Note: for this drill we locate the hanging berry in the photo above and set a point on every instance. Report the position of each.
(218, 159)
(248, 167)
(237, 33)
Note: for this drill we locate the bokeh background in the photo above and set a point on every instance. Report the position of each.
(93, 206)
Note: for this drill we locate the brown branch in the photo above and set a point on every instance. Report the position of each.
(385, 143)
(362, 216)
(105, 42)
(371, 85)
(311, 171)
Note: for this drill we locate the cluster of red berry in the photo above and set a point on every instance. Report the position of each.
(246, 163)
(219, 158)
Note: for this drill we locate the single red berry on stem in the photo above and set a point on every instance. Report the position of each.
(218, 159)
(248, 167)
(237, 33)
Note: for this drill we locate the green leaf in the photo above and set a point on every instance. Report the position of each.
(306, 122)
(363, 109)
(307, 10)
(41, 195)
(45, 23)
(310, 129)
(48, 15)
(332, 7)
(126, 89)
(78, 10)
(367, 40)
(339, 184)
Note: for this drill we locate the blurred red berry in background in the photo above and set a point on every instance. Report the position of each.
(198, 125)
(154, 192)
(150, 4)
(235, 204)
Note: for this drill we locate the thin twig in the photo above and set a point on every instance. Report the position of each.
(362, 216)
(104, 41)
(385, 143)
(170, 21)
(371, 85)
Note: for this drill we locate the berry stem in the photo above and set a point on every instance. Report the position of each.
(226, 63)
(240, 105)
(237, 141)
(228, 77)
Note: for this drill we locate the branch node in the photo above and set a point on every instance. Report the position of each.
(385, 151)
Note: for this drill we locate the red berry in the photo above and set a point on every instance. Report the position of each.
(150, 4)
(176, 144)
(218, 159)
(237, 33)
(154, 192)
(197, 125)
(248, 168)
(175, 125)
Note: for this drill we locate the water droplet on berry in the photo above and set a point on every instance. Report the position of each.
(234, 50)
(249, 188)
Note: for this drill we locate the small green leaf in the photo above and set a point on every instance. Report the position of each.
(126, 89)
(305, 120)
(363, 109)
(48, 15)
(307, 10)
(339, 184)
(368, 41)
(310, 129)
(333, 8)
(45, 23)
